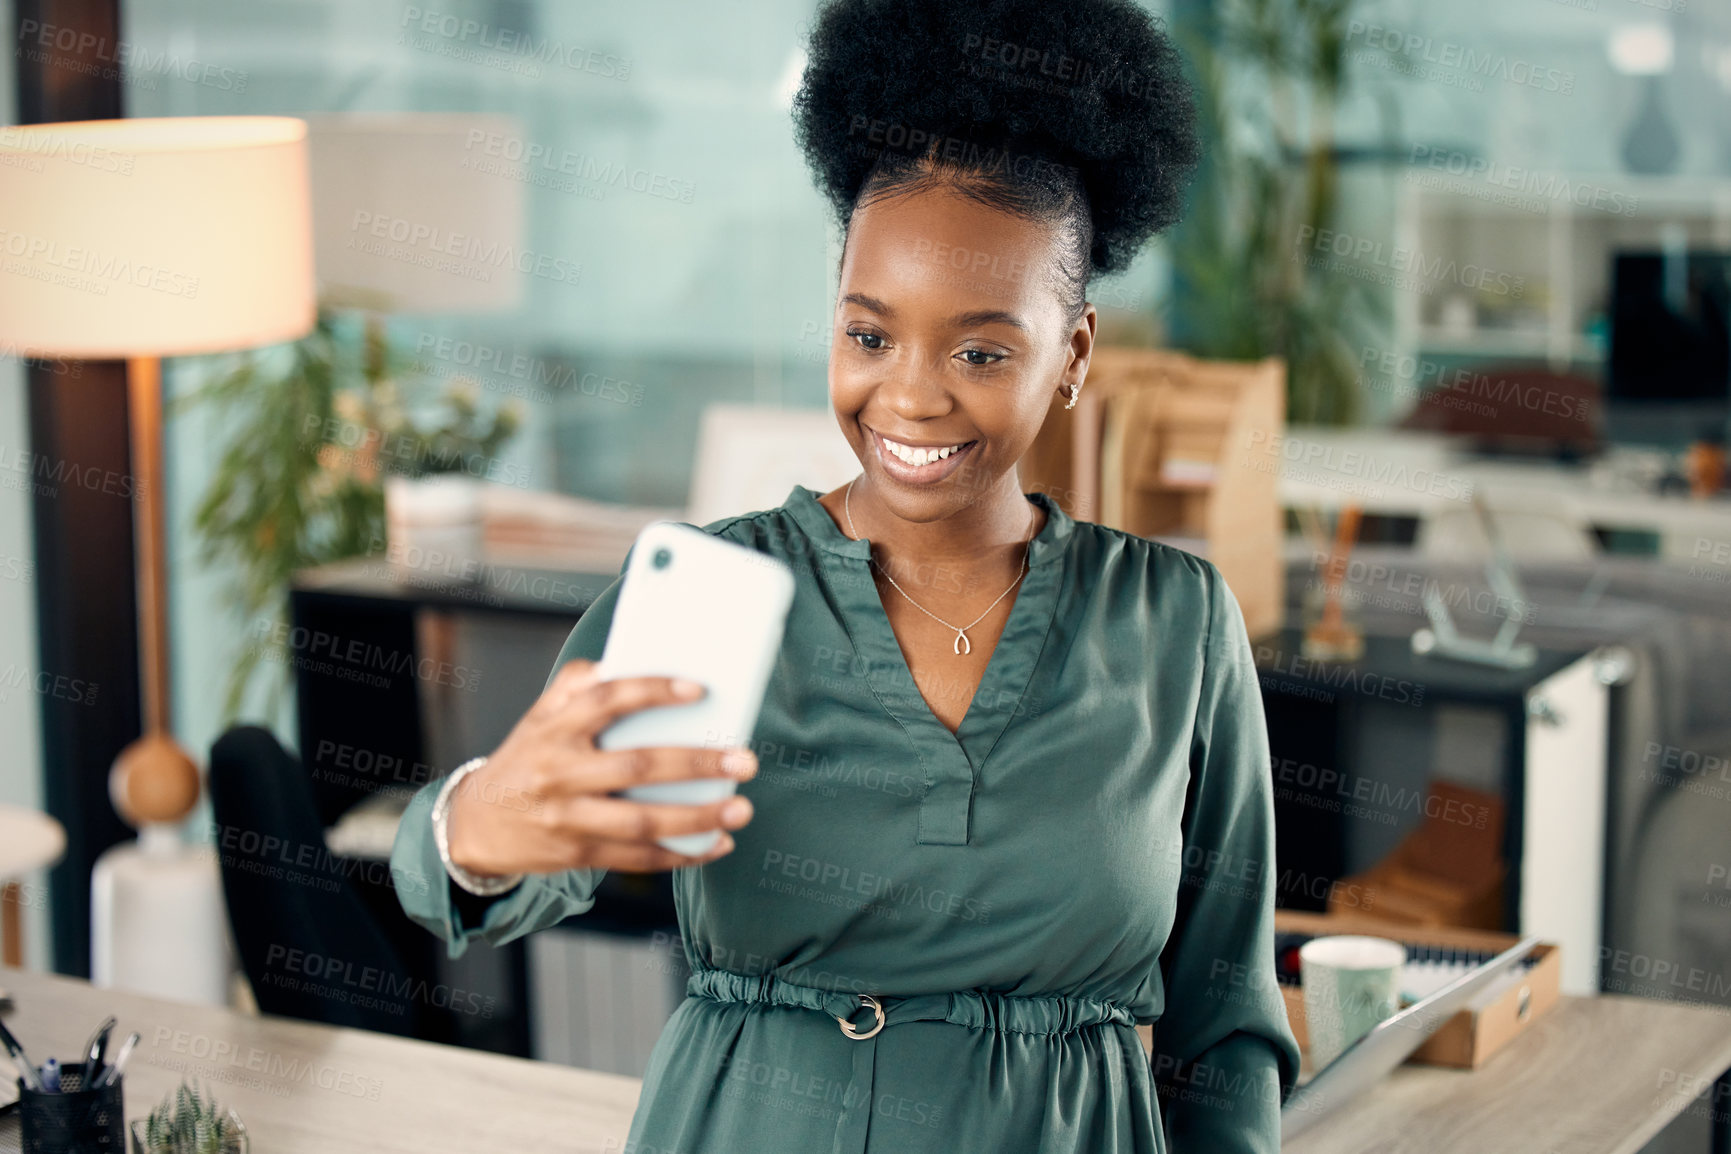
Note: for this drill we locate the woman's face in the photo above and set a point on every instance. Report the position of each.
(949, 334)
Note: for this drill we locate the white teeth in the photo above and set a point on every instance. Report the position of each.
(917, 457)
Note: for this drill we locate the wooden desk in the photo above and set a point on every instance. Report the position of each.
(1406, 473)
(305, 1089)
(1594, 1076)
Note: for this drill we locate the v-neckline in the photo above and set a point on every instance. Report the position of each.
(951, 760)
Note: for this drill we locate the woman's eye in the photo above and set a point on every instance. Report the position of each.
(864, 338)
(989, 358)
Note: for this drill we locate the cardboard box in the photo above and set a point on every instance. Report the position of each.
(1448, 872)
(1469, 1038)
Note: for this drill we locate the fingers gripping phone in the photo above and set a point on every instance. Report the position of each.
(699, 607)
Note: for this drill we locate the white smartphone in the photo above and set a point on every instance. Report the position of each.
(695, 606)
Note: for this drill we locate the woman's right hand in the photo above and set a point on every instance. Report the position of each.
(541, 804)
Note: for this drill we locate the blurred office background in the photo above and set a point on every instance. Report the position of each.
(1460, 205)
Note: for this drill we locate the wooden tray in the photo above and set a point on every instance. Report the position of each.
(1469, 1038)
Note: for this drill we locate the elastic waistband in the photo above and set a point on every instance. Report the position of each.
(979, 1009)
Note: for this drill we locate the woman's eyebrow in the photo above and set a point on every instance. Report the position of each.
(960, 320)
(869, 302)
(987, 317)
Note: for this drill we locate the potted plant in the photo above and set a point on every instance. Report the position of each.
(189, 1121)
(1269, 77)
(313, 430)
(433, 479)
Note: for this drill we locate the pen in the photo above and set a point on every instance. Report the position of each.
(112, 1074)
(26, 1069)
(94, 1049)
(51, 1075)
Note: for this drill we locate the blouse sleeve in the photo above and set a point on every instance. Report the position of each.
(425, 890)
(1224, 1057)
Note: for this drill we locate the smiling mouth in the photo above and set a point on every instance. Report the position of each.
(920, 456)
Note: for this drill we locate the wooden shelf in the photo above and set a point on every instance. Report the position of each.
(1169, 447)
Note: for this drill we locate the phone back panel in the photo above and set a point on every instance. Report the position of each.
(696, 606)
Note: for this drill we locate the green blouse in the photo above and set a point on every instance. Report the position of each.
(1093, 849)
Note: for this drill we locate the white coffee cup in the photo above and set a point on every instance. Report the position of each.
(1351, 983)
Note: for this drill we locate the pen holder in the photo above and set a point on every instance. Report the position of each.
(75, 1120)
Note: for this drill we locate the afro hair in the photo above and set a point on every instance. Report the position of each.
(1064, 110)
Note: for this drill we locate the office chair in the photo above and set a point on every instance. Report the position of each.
(1533, 527)
(309, 945)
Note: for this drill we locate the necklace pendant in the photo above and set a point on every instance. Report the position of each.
(962, 644)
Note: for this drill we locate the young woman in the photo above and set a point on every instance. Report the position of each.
(1008, 797)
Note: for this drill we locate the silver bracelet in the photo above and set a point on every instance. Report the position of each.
(481, 887)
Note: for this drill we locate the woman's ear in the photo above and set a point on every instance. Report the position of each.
(1080, 351)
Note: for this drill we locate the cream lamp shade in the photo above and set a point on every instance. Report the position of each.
(154, 237)
(419, 212)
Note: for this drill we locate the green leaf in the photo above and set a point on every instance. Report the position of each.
(1267, 82)
(299, 478)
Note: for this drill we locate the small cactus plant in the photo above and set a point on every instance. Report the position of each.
(189, 1121)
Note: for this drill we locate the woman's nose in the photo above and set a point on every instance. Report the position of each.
(914, 391)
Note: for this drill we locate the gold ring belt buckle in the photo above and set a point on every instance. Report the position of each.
(847, 1026)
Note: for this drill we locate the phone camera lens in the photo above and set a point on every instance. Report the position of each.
(663, 558)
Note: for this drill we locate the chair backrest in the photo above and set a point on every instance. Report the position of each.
(1531, 527)
(310, 947)
(749, 456)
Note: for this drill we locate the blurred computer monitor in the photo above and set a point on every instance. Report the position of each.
(1669, 377)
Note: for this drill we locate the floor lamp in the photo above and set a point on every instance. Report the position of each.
(140, 239)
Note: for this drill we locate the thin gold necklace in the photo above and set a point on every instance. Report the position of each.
(963, 645)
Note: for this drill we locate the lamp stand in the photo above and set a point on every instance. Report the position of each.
(144, 393)
(153, 779)
(157, 920)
